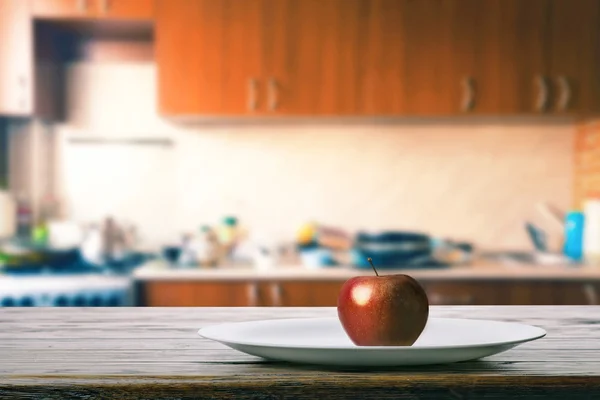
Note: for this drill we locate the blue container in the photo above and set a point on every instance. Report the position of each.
(391, 249)
(573, 247)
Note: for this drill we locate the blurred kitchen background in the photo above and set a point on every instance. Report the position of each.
(257, 152)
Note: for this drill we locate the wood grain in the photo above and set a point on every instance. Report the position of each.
(324, 293)
(187, 37)
(200, 294)
(207, 52)
(155, 353)
(575, 54)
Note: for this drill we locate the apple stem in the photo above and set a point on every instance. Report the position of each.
(371, 262)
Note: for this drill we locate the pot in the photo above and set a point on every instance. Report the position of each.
(392, 249)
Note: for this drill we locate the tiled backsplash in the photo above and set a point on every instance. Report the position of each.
(587, 162)
(468, 179)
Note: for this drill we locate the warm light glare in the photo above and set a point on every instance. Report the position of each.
(362, 294)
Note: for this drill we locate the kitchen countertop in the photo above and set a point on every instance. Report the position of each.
(155, 353)
(158, 271)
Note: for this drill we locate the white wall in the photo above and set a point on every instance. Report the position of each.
(467, 179)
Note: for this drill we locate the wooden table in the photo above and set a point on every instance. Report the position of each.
(155, 353)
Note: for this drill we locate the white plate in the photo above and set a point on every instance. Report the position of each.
(324, 341)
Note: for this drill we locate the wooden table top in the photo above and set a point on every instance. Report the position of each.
(127, 353)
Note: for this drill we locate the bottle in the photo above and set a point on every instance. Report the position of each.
(574, 228)
(208, 248)
(228, 234)
(40, 234)
(24, 218)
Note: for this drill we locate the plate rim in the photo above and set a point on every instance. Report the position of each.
(542, 333)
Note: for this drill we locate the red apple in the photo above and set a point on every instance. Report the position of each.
(387, 310)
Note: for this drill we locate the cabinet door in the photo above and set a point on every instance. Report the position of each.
(531, 293)
(125, 9)
(441, 66)
(311, 56)
(425, 26)
(577, 293)
(459, 46)
(199, 294)
(512, 72)
(465, 293)
(16, 54)
(206, 58)
(381, 64)
(301, 294)
(243, 87)
(575, 55)
(57, 9)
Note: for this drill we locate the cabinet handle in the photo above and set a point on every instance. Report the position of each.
(253, 295)
(277, 293)
(439, 299)
(273, 94)
(252, 94)
(565, 93)
(543, 93)
(590, 293)
(82, 5)
(468, 100)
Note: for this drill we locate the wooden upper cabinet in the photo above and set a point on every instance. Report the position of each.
(93, 9)
(476, 57)
(377, 57)
(459, 47)
(574, 56)
(208, 57)
(424, 25)
(311, 57)
(242, 84)
(380, 64)
(510, 65)
(16, 59)
(335, 57)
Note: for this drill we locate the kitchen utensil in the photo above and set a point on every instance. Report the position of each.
(171, 254)
(208, 248)
(452, 252)
(553, 214)
(317, 257)
(24, 258)
(24, 217)
(331, 238)
(392, 249)
(324, 341)
(64, 234)
(537, 236)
